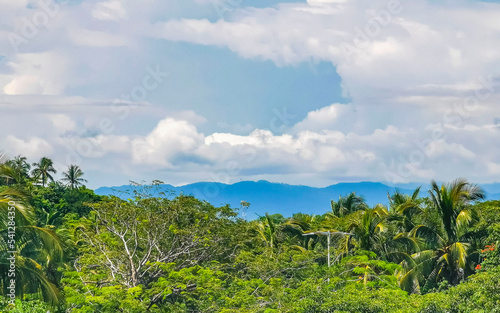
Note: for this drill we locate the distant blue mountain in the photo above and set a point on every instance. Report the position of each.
(285, 199)
(264, 196)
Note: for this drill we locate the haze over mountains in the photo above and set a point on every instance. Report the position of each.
(285, 199)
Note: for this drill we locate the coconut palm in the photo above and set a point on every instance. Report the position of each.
(18, 169)
(447, 237)
(274, 229)
(268, 229)
(300, 224)
(43, 169)
(347, 205)
(405, 209)
(368, 227)
(73, 176)
(33, 246)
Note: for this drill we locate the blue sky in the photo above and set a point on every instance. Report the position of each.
(230, 90)
(304, 92)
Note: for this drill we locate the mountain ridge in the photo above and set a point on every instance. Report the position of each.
(265, 196)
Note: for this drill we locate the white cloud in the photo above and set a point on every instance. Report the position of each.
(62, 123)
(83, 37)
(176, 148)
(109, 10)
(391, 52)
(409, 79)
(37, 73)
(325, 3)
(324, 118)
(14, 4)
(22, 85)
(33, 147)
(169, 138)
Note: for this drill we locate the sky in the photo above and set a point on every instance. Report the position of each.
(309, 92)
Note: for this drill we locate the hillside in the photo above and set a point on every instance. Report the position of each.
(280, 198)
(265, 196)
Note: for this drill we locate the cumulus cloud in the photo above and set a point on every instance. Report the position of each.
(26, 84)
(381, 48)
(330, 117)
(422, 91)
(177, 149)
(33, 147)
(175, 146)
(37, 73)
(169, 138)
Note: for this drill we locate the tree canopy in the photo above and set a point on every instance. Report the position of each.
(79, 252)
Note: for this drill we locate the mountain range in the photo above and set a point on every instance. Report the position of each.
(285, 199)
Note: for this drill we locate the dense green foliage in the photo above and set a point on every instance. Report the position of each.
(79, 252)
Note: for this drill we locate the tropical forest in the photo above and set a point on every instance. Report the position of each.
(66, 249)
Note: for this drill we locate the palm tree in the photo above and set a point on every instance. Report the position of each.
(73, 176)
(20, 163)
(369, 227)
(348, 205)
(447, 237)
(18, 169)
(300, 224)
(34, 246)
(268, 230)
(43, 169)
(274, 229)
(405, 209)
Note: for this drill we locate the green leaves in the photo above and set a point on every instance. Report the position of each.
(181, 254)
(43, 169)
(73, 176)
(347, 205)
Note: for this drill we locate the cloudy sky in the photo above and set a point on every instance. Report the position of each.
(304, 92)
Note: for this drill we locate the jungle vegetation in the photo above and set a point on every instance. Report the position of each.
(431, 251)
